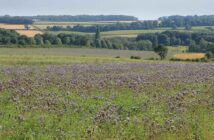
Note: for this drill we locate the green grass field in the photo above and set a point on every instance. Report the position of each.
(68, 55)
(75, 55)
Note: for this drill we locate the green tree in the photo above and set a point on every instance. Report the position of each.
(188, 27)
(57, 41)
(144, 45)
(209, 55)
(66, 40)
(97, 40)
(97, 34)
(174, 27)
(161, 51)
(163, 39)
(39, 40)
(47, 42)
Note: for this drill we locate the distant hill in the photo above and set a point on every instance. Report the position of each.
(82, 18)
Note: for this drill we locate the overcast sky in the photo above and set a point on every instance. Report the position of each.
(143, 9)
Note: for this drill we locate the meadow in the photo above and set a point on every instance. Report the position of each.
(62, 93)
(132, 100)
(77, 55)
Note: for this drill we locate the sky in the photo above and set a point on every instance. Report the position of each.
(143, 9)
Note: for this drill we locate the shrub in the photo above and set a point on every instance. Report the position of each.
(135, 57)
(152, 58)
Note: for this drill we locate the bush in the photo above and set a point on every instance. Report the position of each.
(117, 57)
(135, 57)
(152, 58)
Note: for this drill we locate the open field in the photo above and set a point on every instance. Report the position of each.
(19, 28)
(68, 55)
(76, 52)
(12, 26)
(29, 33)
(184, 56)
(63, 93)
(107, 101)
(30, 55)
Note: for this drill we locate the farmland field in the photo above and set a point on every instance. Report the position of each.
(29, 33)
(129, 100)
(189, 56)
(62, 93)
(12, 26)
(20, 28)
(84, 53)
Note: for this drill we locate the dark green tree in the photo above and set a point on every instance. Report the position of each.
(97, 34)
(161, 51)
(97, 40)
(209, 55)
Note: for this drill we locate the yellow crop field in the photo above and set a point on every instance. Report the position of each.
(183, 56)
(12, 26)
(29, 33)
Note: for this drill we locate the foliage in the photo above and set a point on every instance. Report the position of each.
(15, 20)
(82, 18)
(135, 57)
(109, 27)
(172, 21)
(182, 21)
(161, 51)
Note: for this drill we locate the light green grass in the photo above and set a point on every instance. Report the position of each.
(76, 55)
(58, 60)
(68, 55)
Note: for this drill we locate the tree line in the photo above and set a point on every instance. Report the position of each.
(15, 20)
(182, 21)
(11, 37)
(197, 41)
(82, 18)
(109, 27)
(171, 21)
